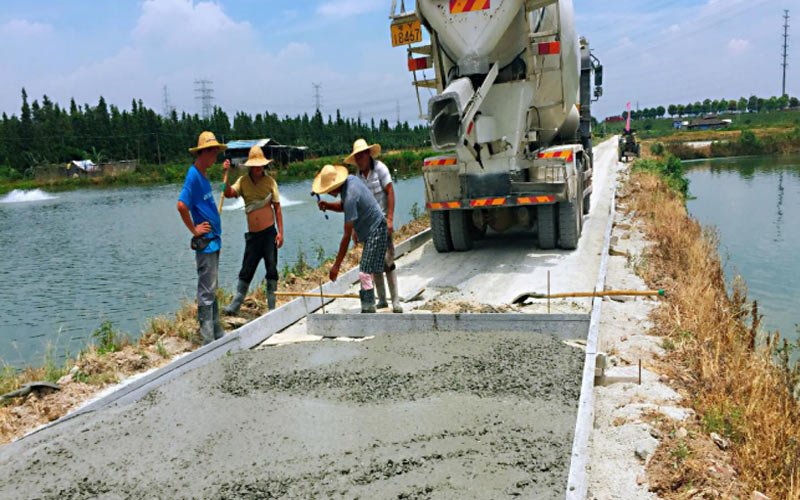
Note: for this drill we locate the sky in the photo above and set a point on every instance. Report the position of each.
(265, 54)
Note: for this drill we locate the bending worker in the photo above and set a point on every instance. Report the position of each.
(379, 181)
(362, 214)
(262, 241)
(200, 214)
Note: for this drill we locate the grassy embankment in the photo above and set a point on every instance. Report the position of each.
(740, 389)
(405, 162)
(114, 356)
(768, 141)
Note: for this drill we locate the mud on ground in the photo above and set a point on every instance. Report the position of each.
(425, 415)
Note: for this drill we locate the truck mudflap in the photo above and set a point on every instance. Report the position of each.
(507, 201)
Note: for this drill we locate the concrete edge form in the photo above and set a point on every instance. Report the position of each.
(243, 338)
(562, 326)
(577, 483)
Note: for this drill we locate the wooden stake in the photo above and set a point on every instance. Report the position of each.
(640, 372)
(321, 298)
(548, 292)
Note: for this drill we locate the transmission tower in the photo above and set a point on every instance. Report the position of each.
(168, 108)
(398, 111)
(204, 92)
(785, 48)
(317, 95)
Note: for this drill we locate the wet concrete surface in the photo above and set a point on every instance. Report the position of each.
(424, 415)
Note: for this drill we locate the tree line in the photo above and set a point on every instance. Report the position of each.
(45, 133)
(754, 104)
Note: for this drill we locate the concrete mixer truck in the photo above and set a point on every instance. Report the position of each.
(511, 116)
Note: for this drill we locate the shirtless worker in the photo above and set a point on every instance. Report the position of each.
(376, 176)
(262, 204)
(201, 216)
(363, 215)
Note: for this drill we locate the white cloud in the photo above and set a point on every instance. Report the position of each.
(737, 45)
(674, 28)
(17, 28)
(347, 8)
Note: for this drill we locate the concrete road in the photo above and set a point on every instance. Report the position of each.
(502, 266)
(421, 415)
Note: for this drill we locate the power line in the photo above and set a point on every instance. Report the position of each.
(204, 92)
(317, 95)
(785, 48)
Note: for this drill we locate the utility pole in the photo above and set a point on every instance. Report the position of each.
(317, 96)
(167, 105)
(785, 48)
(204, 92)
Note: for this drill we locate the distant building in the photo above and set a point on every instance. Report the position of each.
(710, 122)
(615, 119)
(677, 124)
(238, 150)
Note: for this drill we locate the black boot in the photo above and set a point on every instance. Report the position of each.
(272, 287)
(238, 298)
(367, 300)
(218, 331)
(205, 316)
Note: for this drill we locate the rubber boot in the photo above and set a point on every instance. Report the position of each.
(367, 301)
(238, 298)
(272, 287)
(205, 316)
(391, 278)
(218, 331)
(380, 288)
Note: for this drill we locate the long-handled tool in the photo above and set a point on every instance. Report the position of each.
(608, 293)
(222, 196)
(318, 201)
(323, 295)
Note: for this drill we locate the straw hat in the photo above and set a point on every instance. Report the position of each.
(359, 146)
(207, 140)
(256, 158)
(329, 178)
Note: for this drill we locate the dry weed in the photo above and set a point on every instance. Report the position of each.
(734, 386)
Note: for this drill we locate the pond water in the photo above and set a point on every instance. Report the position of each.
(72, 259)
(754, 202)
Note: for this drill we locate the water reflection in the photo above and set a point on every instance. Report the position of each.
(755, 203)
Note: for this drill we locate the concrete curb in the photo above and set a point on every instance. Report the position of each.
(563, 326)
(243, 338)
(577, 483)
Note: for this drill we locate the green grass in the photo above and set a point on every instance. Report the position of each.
(662, 127)
(404, 162)
(670, 168)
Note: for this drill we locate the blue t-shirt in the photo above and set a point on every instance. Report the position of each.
(197, 195)
(360, 207)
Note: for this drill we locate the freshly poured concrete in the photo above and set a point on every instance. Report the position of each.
(440, 415)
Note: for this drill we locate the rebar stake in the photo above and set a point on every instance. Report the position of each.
(548, 292)
(321, 297)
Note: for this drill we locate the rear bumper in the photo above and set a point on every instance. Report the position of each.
(498, 202)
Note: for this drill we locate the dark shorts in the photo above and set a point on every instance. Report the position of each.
(373, 258)
(260, 246)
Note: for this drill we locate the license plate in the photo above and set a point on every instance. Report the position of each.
(406, 33)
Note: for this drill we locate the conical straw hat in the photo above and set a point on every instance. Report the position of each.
(329, 178)
(207, 140)
(256, 158)
(359, 146)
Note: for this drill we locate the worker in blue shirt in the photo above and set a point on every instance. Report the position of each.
(201, 216)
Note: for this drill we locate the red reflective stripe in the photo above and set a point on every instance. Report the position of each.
(548, 48)
(469, 129)
(439, 161)
(419, 63)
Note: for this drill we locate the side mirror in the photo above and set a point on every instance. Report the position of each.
(598, 76)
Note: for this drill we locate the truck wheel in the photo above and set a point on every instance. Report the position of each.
(546, 217)
(569, 225)
(460, 233)
(440, 227)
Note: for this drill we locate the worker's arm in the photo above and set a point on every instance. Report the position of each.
(390, 212)
(229, 191)
(279, 219)
(348, 231)
(197, 230)
(333, 206)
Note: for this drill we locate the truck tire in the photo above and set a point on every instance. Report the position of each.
(569, 224)
(440, 227)
(548, 232)
(460, 233)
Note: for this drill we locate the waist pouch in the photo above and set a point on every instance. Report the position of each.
(199, 243)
